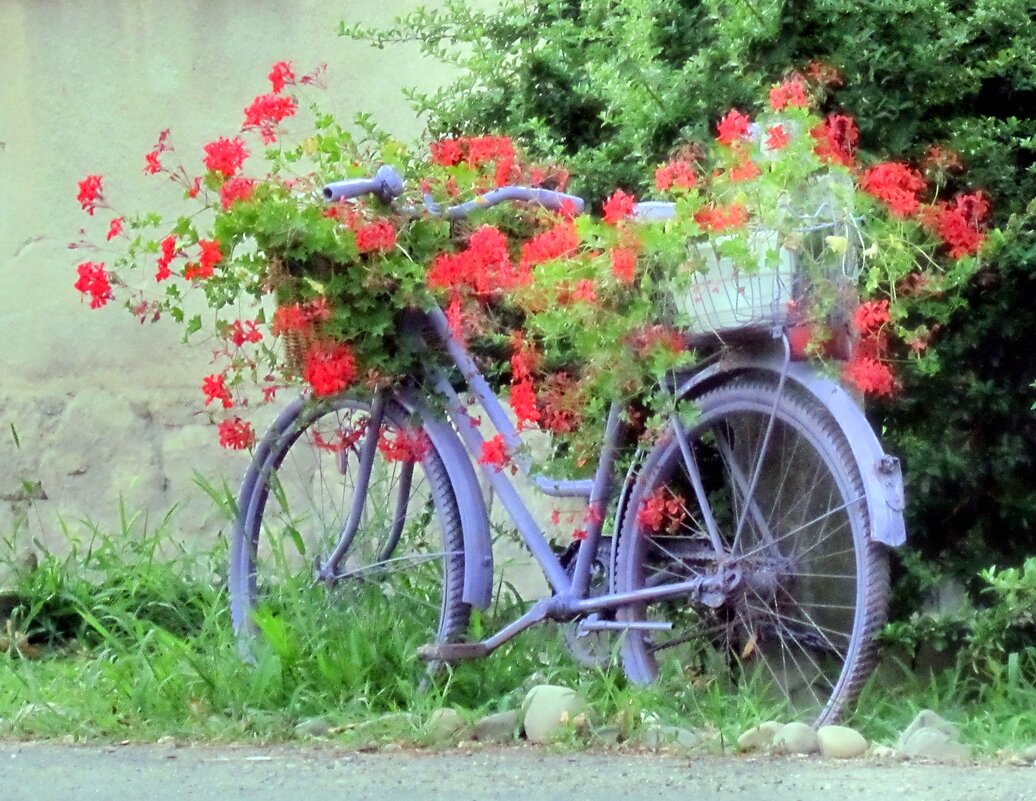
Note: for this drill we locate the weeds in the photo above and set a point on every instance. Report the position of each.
(126, 636)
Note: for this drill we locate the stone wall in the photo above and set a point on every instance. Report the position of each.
(95, 409)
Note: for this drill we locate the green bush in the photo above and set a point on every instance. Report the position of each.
(614, 88)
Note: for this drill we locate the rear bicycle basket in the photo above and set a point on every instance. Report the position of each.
(770, 278)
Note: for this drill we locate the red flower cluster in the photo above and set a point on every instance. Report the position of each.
(342, 438)
(114, 228)
(266, 112)
(152, 165)
(236, 434)
(870, 376)
(404, 444)
(744, 170)
(721, 218)
(494, 453)
(732, 127)
(561, 240)
(168, 246)
(225, 156)
(560, 404)
(836, 139)
(234, 190)
(476, 151)
(302, 318)
(214, 388)
(790, 93)
(281, 74)
(675, 175)
(378, 236)
(90, 193)
(242, 332)
(959, 223)
(329, 368)
(624, 264)
(661, 511)
(618, 207)
(94, 281)
(209, 257)
(896, 184)
(484, 266)
(870, 316)
(523, 402)
(776, 137)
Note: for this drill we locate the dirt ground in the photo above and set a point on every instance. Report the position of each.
(49, 772)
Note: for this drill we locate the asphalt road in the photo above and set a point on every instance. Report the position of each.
(49, 772)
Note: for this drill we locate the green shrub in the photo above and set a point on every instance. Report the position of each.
(614, 88)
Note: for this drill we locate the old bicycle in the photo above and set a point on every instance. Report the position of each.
(771, 565)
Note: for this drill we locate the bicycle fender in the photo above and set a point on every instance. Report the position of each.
(881, 474)
(474, 518)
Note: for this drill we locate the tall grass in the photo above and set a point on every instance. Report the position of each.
(126, 635)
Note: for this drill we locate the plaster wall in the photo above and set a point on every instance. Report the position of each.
(95, 409)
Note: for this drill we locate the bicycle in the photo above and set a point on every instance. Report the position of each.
(763, 552)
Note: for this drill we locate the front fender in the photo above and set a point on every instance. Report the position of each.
(882, 478)
(474, 518)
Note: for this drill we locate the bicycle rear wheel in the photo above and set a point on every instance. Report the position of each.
(779, 508)
(400, 560)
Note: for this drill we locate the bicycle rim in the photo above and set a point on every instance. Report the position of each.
(403, 565)
(781, 506)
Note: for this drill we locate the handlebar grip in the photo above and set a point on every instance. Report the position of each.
(386, 183)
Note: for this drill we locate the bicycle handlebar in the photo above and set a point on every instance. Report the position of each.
(387, 184)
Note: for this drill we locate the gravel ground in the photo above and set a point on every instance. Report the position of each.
(50, 772)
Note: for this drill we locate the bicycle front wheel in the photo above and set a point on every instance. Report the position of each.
(762, 490)
(386, 540)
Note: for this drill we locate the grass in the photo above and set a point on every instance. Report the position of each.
(126, 637)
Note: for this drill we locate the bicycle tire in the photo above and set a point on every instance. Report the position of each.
(301, 496)
(814, 586)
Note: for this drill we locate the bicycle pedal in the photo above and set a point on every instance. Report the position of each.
(452, 651)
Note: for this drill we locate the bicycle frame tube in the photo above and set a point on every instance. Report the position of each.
(597, 491)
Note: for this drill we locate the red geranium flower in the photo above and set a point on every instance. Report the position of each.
(624, 264)
(234, 190)
(618, 207)
(732, 127)
(675, 174)
(281, 74)
(494, 453)
(94, 281)
(329, 368)
(896, 184)
(266, 111)
(776, 137)
(377, 236)
(225, 156)
(790, 93)
(215, 389)
(236, 434)
(90, 193)
(870, 376)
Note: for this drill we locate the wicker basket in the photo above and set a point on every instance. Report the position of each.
(296, 343)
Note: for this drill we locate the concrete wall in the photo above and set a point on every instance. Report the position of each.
(104, 409)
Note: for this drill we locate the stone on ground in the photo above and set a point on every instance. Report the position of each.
(1029, 754)
(500, 727)
(549, 709)
(444, 726)
(840, 742)
(657, 736)
(935, 745)
(795, 738)
(927, 719)
(759, 738)
(314, 727)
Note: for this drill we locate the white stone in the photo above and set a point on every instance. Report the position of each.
(795, 738)
(840, 742)
(549, 709)
(759, 738)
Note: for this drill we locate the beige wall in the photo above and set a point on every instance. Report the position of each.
(103, 407)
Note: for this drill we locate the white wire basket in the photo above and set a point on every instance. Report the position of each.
(770, 279)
